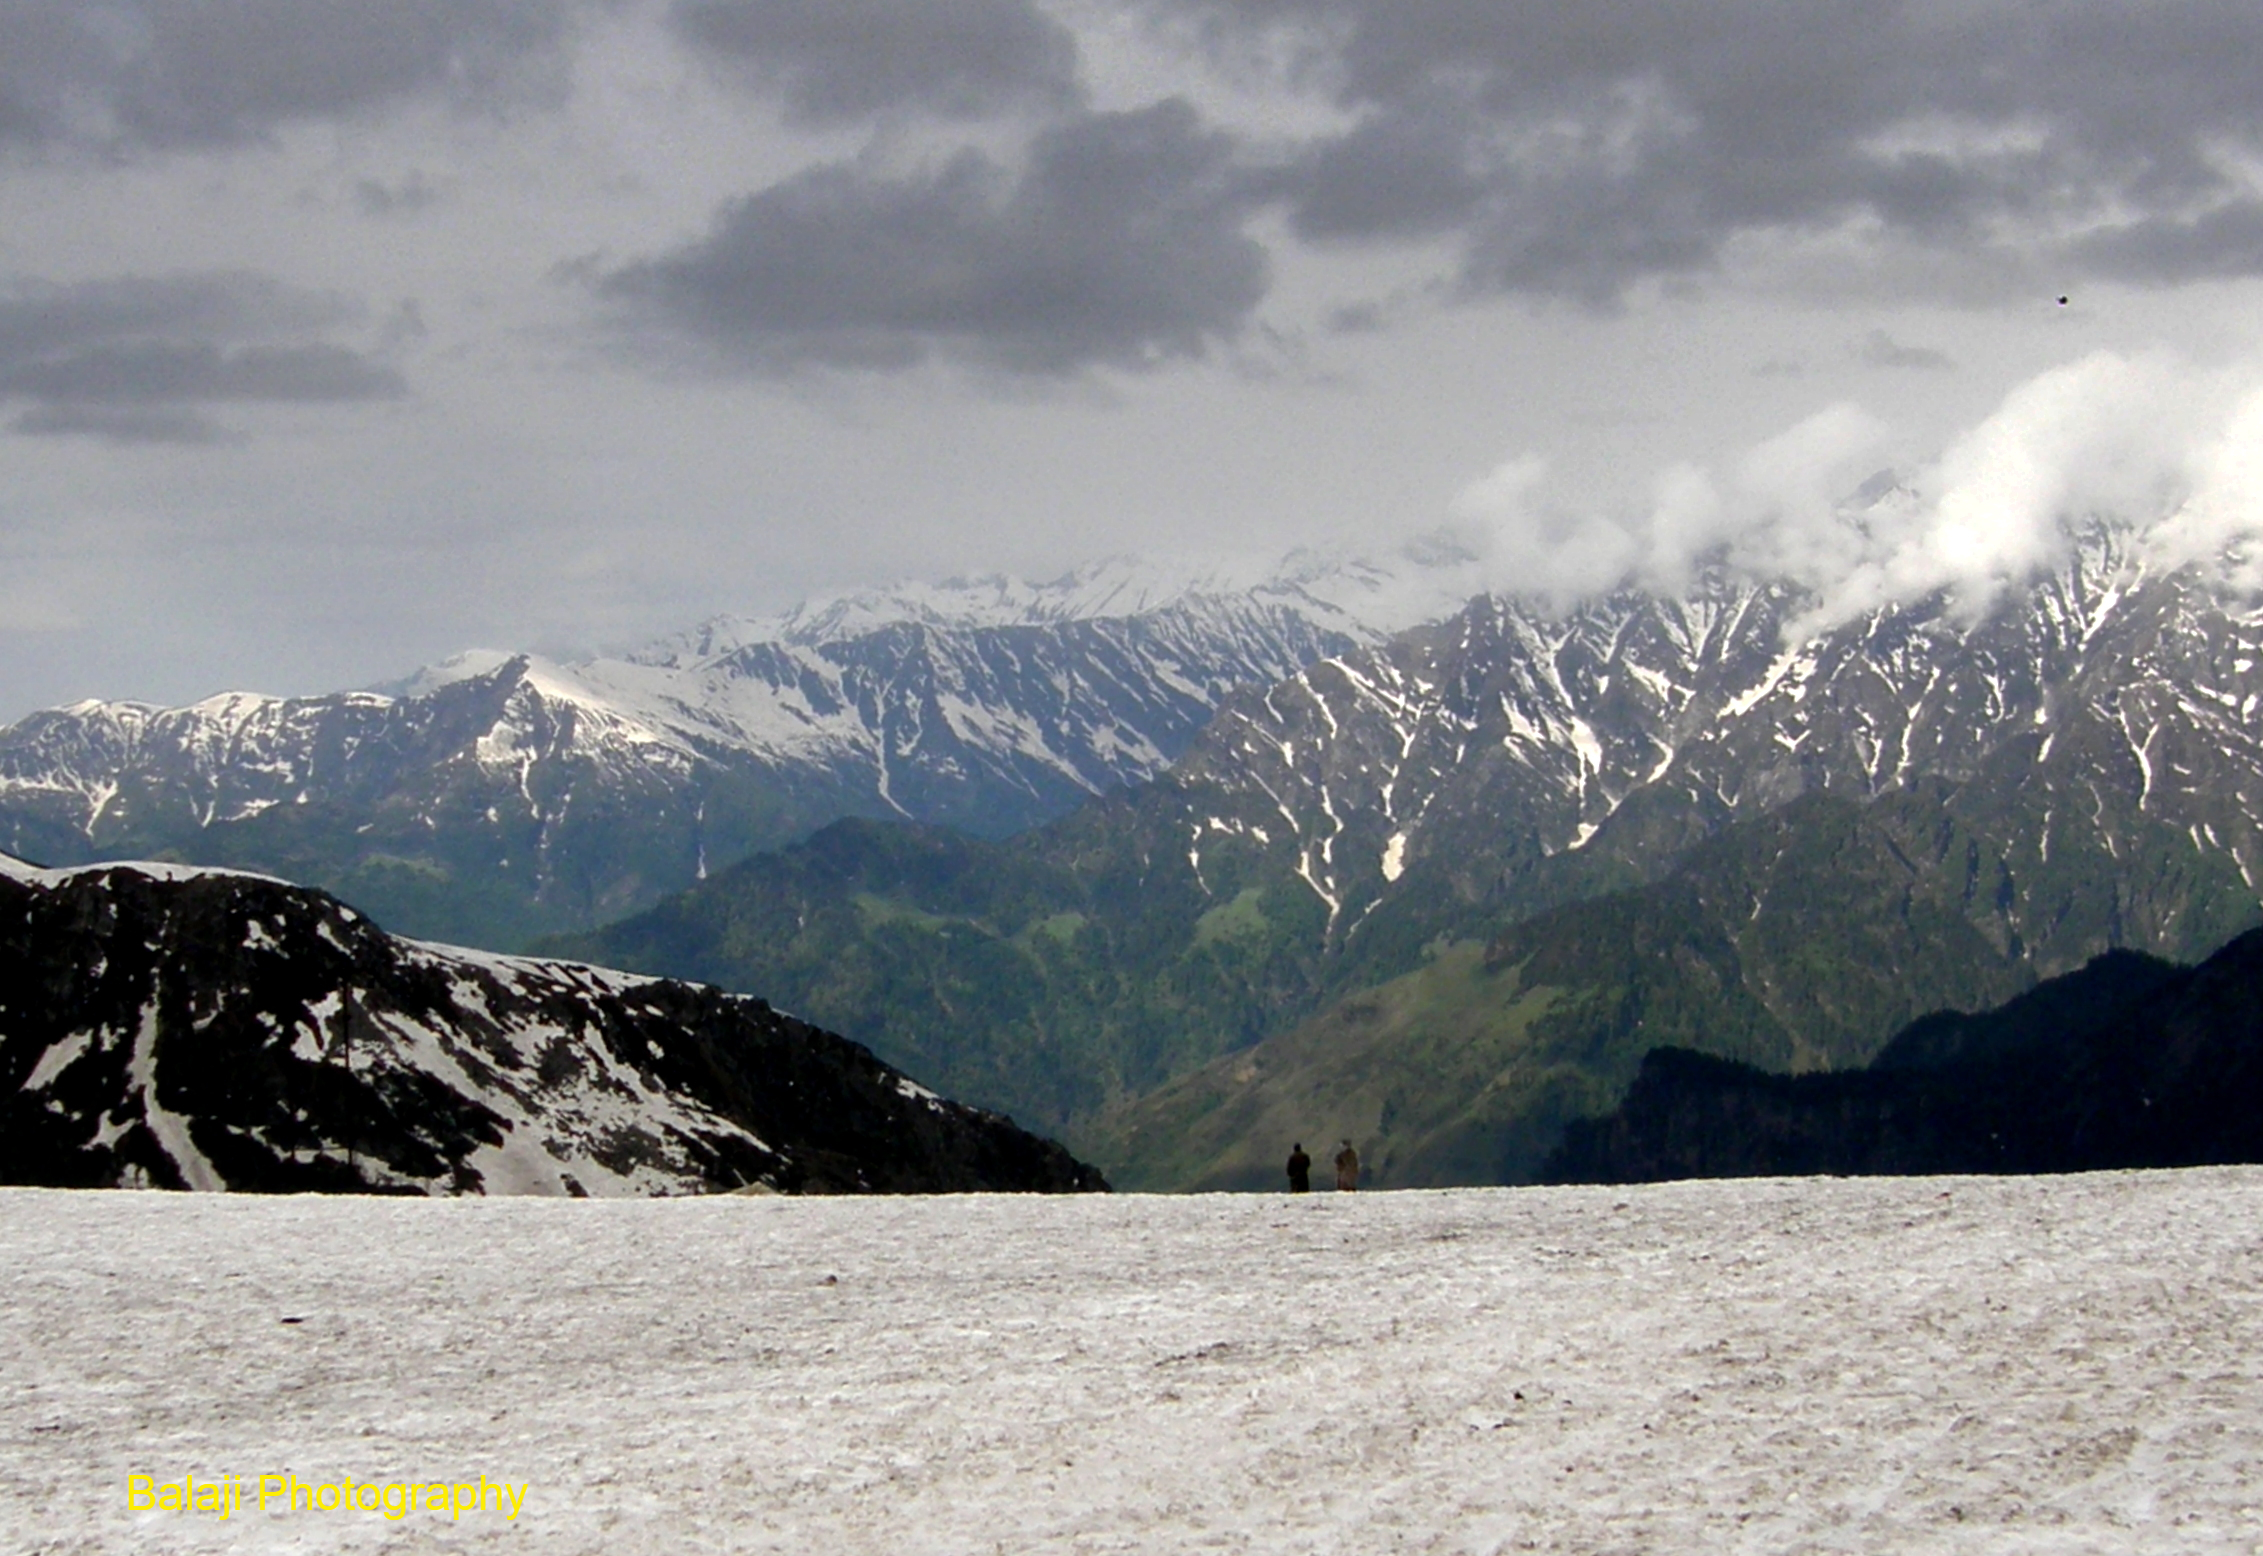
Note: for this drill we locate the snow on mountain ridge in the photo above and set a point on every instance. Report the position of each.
(468, 665)
(781, 697)
(685, 693)
(27, 874)
(1362, 596)
(1110, 587)
(1454, 757)
(602, 782)
(591, 787)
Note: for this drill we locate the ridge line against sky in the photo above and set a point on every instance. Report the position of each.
(336, 337)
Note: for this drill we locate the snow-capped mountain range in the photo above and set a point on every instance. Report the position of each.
(185, 1028)
(499, 795)
(1360, 596)
(2110, 704)
(1511, 753)
(2001, 792)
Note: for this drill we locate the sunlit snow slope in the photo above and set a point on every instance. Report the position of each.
(1902, 1367)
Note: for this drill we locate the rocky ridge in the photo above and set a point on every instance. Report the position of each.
(499, 796)
(1511, 757)
(180, 1028)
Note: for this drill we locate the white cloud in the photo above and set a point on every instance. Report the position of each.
(1787, 492)
(1525, 545)
(2222, 521)
(2104, 437)
(2146, 441)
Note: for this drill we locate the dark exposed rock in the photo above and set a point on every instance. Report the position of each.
(211, 1030)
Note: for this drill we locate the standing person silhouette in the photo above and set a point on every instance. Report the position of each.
(1347, 1168)
(1300, 1170)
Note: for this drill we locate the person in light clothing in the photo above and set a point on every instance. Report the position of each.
(1347, 1168)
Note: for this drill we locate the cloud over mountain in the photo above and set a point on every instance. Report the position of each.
(2174, 448)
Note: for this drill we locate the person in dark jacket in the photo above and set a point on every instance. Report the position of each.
(1347, 1167)
(1300, 1170)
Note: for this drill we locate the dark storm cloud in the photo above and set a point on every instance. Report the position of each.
(1404, 174)
(199, 370)
(847, 59)
(1121, 241)
(2224, 242)
(138, 359)
(168, 73)
(1579, 149)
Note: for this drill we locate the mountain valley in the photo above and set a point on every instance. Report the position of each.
(1171, 864)
(1601, 797)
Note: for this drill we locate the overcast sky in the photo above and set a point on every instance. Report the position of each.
(339, 335)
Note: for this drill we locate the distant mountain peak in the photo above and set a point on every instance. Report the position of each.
(1367, 597)
(468, 665)
(559, 792)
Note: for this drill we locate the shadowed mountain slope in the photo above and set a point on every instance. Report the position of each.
(2130, 1062)
(1800, 940)
(197, 1029)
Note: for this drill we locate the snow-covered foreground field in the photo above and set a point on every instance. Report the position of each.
(2055, 1365)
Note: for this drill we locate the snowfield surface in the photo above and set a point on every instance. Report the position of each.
(2061, 1365)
